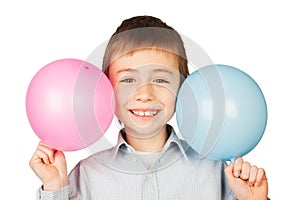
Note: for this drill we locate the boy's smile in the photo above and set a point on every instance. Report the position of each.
(144, 113)
(145, 84)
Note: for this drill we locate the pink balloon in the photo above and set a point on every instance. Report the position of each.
(70, 104)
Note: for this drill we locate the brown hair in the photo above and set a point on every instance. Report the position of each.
(145, 32)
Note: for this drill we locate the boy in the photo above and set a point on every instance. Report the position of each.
(145, 61)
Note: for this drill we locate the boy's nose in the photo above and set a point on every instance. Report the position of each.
(144, 93)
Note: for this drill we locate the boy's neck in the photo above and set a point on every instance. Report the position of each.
(155, 143)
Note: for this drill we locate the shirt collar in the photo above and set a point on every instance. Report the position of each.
(172, 142)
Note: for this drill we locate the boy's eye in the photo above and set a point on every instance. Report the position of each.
(127, 80)
(159, 80)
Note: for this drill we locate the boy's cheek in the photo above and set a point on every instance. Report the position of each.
(123, 94)
(168, 92)
(113, 82)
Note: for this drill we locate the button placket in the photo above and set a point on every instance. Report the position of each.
(150, 190)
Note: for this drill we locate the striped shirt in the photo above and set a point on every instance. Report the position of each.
(120, 173)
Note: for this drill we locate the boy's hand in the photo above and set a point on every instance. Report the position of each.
(247, 181)
(50, 166)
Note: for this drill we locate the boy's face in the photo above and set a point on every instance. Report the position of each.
(145, 84)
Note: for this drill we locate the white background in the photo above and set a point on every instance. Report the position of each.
(259, 37)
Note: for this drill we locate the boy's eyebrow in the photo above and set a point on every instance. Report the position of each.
(154, 70)
(163, 70)
(126, 70)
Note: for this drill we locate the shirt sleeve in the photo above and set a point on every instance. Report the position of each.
(61, 194)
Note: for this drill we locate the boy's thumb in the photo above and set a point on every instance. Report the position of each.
(229, 170)
(229, 174)
(231, 179)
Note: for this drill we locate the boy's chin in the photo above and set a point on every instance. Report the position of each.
(145, 131)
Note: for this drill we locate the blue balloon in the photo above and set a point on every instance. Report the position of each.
(221, 112)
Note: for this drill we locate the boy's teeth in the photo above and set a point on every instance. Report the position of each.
(141, 114)
(147, 113)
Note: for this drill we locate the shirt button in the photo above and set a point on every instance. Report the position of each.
(149, 176)
(129, 150)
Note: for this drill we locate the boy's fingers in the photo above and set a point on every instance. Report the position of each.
(41, 143)
(252, 176)
(41, 156)
(261, 175)
(245, 173)
(47, 149)
(237, 167)
(232, 180)
(229, 171)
